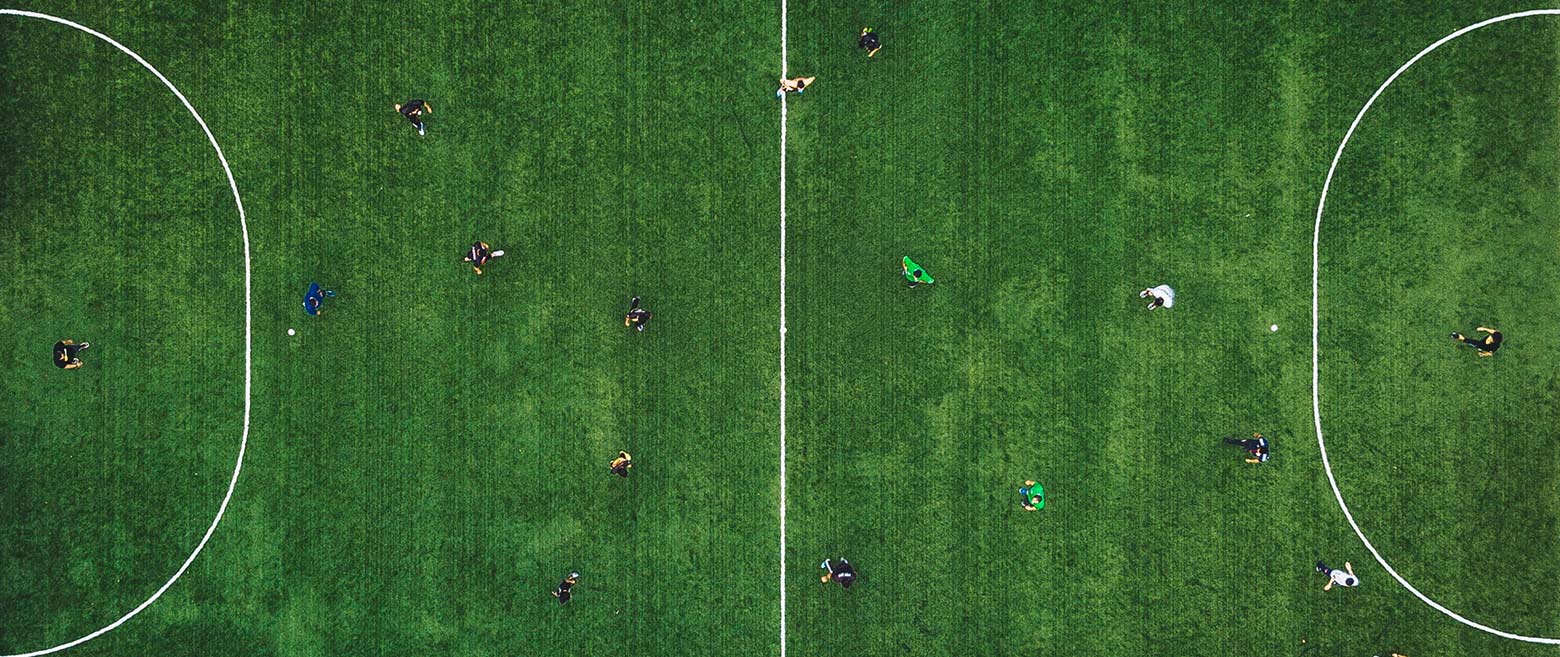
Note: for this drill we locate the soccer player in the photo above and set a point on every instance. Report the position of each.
(314, 298)
(562, 592)
(1486, 345)
(1032, 496)
(1339, 577)
(479, 254)
(637, 317)
(620, 465)
(793, 86)
(914, 274)
(65, 354)
(869, 41)
(1256, 446)
(413, 111)
(841, 572)
(1159, 296)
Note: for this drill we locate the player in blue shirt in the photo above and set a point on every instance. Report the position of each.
(314, 298)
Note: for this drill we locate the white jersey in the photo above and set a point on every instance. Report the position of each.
(1164, 292)
(1343, 578)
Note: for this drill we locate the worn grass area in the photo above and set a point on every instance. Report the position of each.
(1047, 163)
(428, 457)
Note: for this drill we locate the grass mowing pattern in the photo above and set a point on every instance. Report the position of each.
(429, 456)
(435, 444)
(1045, 166)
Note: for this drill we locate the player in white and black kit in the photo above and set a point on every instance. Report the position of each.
(838, 570)
(562, 592)
(479, 254)
(1338, 577)
(1256, 446)
(637, 317)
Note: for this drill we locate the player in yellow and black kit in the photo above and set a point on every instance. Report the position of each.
(65, 354)
(620, 465)
(1487, 345)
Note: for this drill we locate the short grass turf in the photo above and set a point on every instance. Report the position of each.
(428, 457)
(1045, 164)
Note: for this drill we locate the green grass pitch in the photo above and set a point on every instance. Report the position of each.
(428, 457)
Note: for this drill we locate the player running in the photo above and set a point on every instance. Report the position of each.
(620, 465)
(479, 254)
(413, 111)
(1338, 577)
(562, 593)
(914, 273)
(1487, 346)
(841, 572)
(65, 354)
(1256, 446)
(869, 41)
(793, 86)
(637, 317)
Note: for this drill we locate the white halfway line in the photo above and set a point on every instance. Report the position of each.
(243, 226)
(783, 73)
(1316, 268)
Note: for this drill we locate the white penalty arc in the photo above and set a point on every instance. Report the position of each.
(243, 444)
(1316, 399)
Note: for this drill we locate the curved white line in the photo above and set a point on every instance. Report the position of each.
(1316, 399)
(244, 228)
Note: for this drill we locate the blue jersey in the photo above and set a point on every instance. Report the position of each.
(312, 299)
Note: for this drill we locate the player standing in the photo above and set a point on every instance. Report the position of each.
(841, 572)
(869, 41)
(314, 297)
(1031, 496)
(620, 465)
(637, 317)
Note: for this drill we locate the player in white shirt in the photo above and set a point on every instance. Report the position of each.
(1159, 295)
(1336, 576)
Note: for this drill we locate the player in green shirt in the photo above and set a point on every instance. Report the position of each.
(914, 274)
(1033, 495)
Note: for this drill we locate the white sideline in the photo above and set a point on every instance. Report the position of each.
(244, 229)
(1316, 399)
(783, 73)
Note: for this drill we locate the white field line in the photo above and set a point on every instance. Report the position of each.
(783, 73)
(244, 229)
(1316, 398)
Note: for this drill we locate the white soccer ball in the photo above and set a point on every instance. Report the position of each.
(292, 332)
(1273, 327)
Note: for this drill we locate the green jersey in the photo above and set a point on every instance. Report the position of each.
(915, 273)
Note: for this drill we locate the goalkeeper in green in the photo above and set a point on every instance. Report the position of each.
(914, 274)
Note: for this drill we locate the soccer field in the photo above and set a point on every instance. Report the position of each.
(428, 457)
